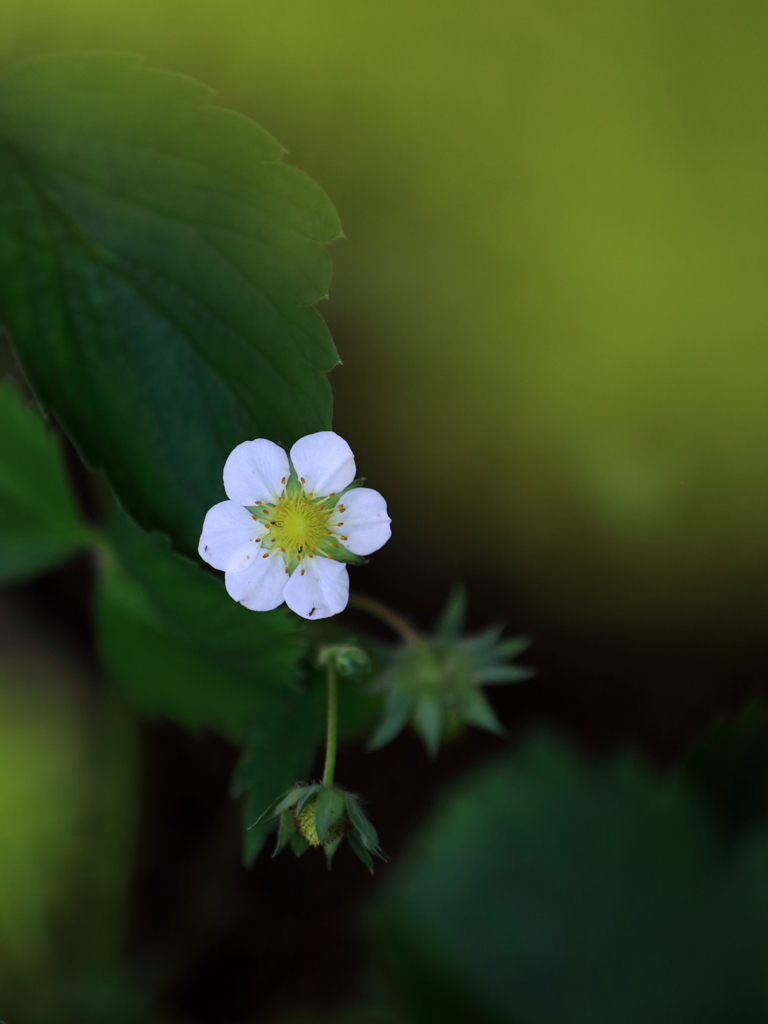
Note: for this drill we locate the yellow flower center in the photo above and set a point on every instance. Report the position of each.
(297, 525)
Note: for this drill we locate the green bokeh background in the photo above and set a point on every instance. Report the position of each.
(550, 301)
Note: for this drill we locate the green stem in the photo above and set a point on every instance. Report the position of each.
(333, 715)
(385, 614)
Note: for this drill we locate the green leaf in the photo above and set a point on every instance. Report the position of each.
(180, 648)
(158, 268)
(550, 889)
(329, 808)
(39, 523)
(279, 749)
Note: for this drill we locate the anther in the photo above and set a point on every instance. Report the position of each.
(265, 556)
(338, 524)
(257, 503)
(302, 572)
(286, 569)
(310, 494)
(303, 480)
(311, 555)
(255, 517)
(332, 494)
(335, 545)
(343, 537)
(283, 480)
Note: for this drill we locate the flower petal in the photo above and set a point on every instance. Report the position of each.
(259, 587)
(325, 461)
(229, 537)
(323, 590)
(254, 471)
(365, 522)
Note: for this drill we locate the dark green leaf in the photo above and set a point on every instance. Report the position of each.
(279, 749)
(329, 808)
(158, 266)
(181, 648)
(556, 891)
(39, 523)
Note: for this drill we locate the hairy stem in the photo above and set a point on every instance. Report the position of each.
(333, 716)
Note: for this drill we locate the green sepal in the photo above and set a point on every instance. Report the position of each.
(452, 619)
(329, 808)
(477, 711)
(504, 674)
(278, 805)
(360, 850)
(428, 722)
(330, 848)
(340, 553)
(365, 831)
(286, 830)
(298, 843)
(306, 793)
(262, 512)
(398, 710)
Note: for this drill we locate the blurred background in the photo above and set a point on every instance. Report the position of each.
(551, 309)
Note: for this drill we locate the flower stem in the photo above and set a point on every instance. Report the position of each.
(391, 618)
(333, 716)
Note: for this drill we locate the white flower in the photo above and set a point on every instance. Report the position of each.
(291, 523)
